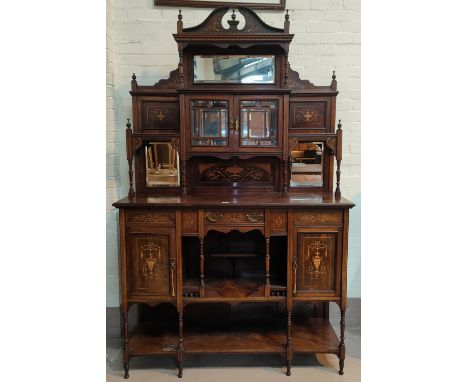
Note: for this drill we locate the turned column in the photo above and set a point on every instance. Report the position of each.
(125, 343)
(202, 267)
(289, 345)
(341, 355)
(180, 348)
(267, 267)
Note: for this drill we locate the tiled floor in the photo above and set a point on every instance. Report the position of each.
(245, 368)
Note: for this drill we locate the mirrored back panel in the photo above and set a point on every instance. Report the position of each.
(307, 165)
(234, 69)
(162, 165)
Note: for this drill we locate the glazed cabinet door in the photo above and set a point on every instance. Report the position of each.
(316, 262)
(210, 120)
(151, 267)
(258, 123)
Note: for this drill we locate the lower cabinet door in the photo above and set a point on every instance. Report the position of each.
(152, 263)
(317, 263)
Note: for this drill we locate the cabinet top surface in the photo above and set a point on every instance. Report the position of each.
(318, 200)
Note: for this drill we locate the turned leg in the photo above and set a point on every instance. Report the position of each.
(288, 345)
(267, 267)
(202, 267)
(180, 349)
(125, 343)
(342, 338)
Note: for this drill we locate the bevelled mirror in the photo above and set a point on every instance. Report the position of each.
(307, 165)
(234, 69)
(162, 165)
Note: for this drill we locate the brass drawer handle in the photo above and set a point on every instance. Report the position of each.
(172, 268)
(255, 217)
(213, 217)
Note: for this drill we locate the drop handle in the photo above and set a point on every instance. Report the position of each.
(172, 268)
(295, 266)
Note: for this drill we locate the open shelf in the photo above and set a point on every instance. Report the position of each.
(222, 328)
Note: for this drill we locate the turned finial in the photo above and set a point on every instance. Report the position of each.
(133, 77)
(233, 16)
(180, 14)
(333, 76)
(286, 16)
(339, 124)
(128, 123)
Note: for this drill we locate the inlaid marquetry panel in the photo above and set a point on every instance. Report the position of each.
(318, 218)
(160, 115)
(230, 217)
(159, 218)
(278, 222)
(190, 222)
(316, 262)
(150, 264)
(310, 115)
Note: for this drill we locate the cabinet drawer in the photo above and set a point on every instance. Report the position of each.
(318, 218)
(251, 217)
(157, 218)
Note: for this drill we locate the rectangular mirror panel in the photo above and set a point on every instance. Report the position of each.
(234, 69)
(162, 165)
(307, 165)
(259, 126)
(209, 123)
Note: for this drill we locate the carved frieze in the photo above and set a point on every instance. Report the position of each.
(237, 172)
(317, 218)
(219, 217)
(152, 217)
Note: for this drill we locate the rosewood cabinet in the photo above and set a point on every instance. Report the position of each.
(233, 236)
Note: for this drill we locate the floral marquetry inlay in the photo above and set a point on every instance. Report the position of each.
(317, 218)
(151, 258)
(152, 217)
(317, 257)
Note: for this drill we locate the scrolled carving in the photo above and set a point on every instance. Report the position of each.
(293, 143)
(175, 143)
(294, 82)
(152, 217)
(173, 82)
(317, 218)
(242, 172)
(235, 217)
(331, 144)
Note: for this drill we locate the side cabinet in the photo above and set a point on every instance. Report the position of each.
(317, 254)
(151, 256)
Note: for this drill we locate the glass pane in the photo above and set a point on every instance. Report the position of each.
(238, 69)
(259, 125)
(209, 123)
(162, 165)
(307, 165)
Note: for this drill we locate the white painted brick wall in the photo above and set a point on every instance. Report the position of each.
(139, 37)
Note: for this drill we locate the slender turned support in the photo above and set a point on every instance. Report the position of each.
(339, 133)
(285, 176)
(125, 343)
(183, 177)
(288, 345)
(267, 267)
(202, 267)
(128, 132)
(180, 349)
(342, 338)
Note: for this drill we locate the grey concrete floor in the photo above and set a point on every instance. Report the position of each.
(245, 368)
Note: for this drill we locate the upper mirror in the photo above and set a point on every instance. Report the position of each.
(307, 165)
(162, 165)
(234, 69)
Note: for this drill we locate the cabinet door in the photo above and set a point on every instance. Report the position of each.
(316, 262)
(152, 268)
(209, 122)
(258, 123)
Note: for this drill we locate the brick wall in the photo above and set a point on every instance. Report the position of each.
(327, 38)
